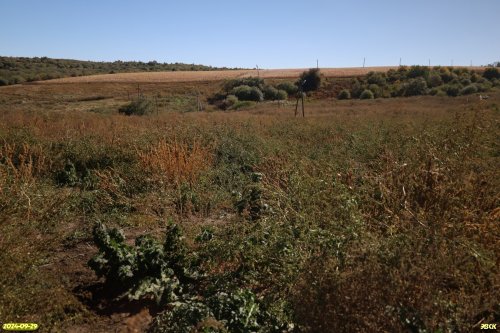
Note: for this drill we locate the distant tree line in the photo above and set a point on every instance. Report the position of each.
(14, 70)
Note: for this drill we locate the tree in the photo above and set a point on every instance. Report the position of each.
(310, 80)
(491, 73)
(416, 87)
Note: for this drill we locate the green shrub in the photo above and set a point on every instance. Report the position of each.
(165, 273)
(272, 94)
(239, 311)
(310, 80)
(344, 94)
(441, 93)
(470, 89)
(437, 91)
(256, 95)
(396, 90)
(402, 72)
(376, 90)
(376, 78)
(146, 270)
(484, 86)
(241, 92)
(452, 89)
(247, 81)
(282, 95)
(461, 71)
(68, 176)
(416, 87)
(465, 81)
(393, 75)
(17, 80)
(269, 92)
(33, 78)
(251, 203)
(3, 82)
(242, 105)
(229, 101)
(357, 88)
(446, 75)
(247, 93)
(188, 316)
(289, 87)
(139, 107)
(418, 71)
(434, 80)
(367, 94)
(433, 91)
(491, 73)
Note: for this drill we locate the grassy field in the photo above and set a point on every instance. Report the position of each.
(374, 215)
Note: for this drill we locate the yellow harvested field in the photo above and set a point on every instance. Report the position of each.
(190, 76)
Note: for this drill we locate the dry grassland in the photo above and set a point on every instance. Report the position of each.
(158, 77)
(385, 213)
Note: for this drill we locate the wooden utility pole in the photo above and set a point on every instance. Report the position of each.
(198, 102)
(300, 96)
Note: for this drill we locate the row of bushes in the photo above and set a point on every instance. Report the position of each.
(241, 92)
(419, 80)
(243, 96)
(256, 90)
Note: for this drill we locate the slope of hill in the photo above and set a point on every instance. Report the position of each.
(15, 70)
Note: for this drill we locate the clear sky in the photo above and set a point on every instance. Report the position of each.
(270, 33)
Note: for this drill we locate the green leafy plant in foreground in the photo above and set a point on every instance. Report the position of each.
(170, 276)
(250, 202)
(238, 311)
(146, 270)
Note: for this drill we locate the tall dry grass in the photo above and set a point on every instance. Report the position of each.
(175, 162)
(23, 161)
(425, 184)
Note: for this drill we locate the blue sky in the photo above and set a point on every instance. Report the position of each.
(271, 34)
